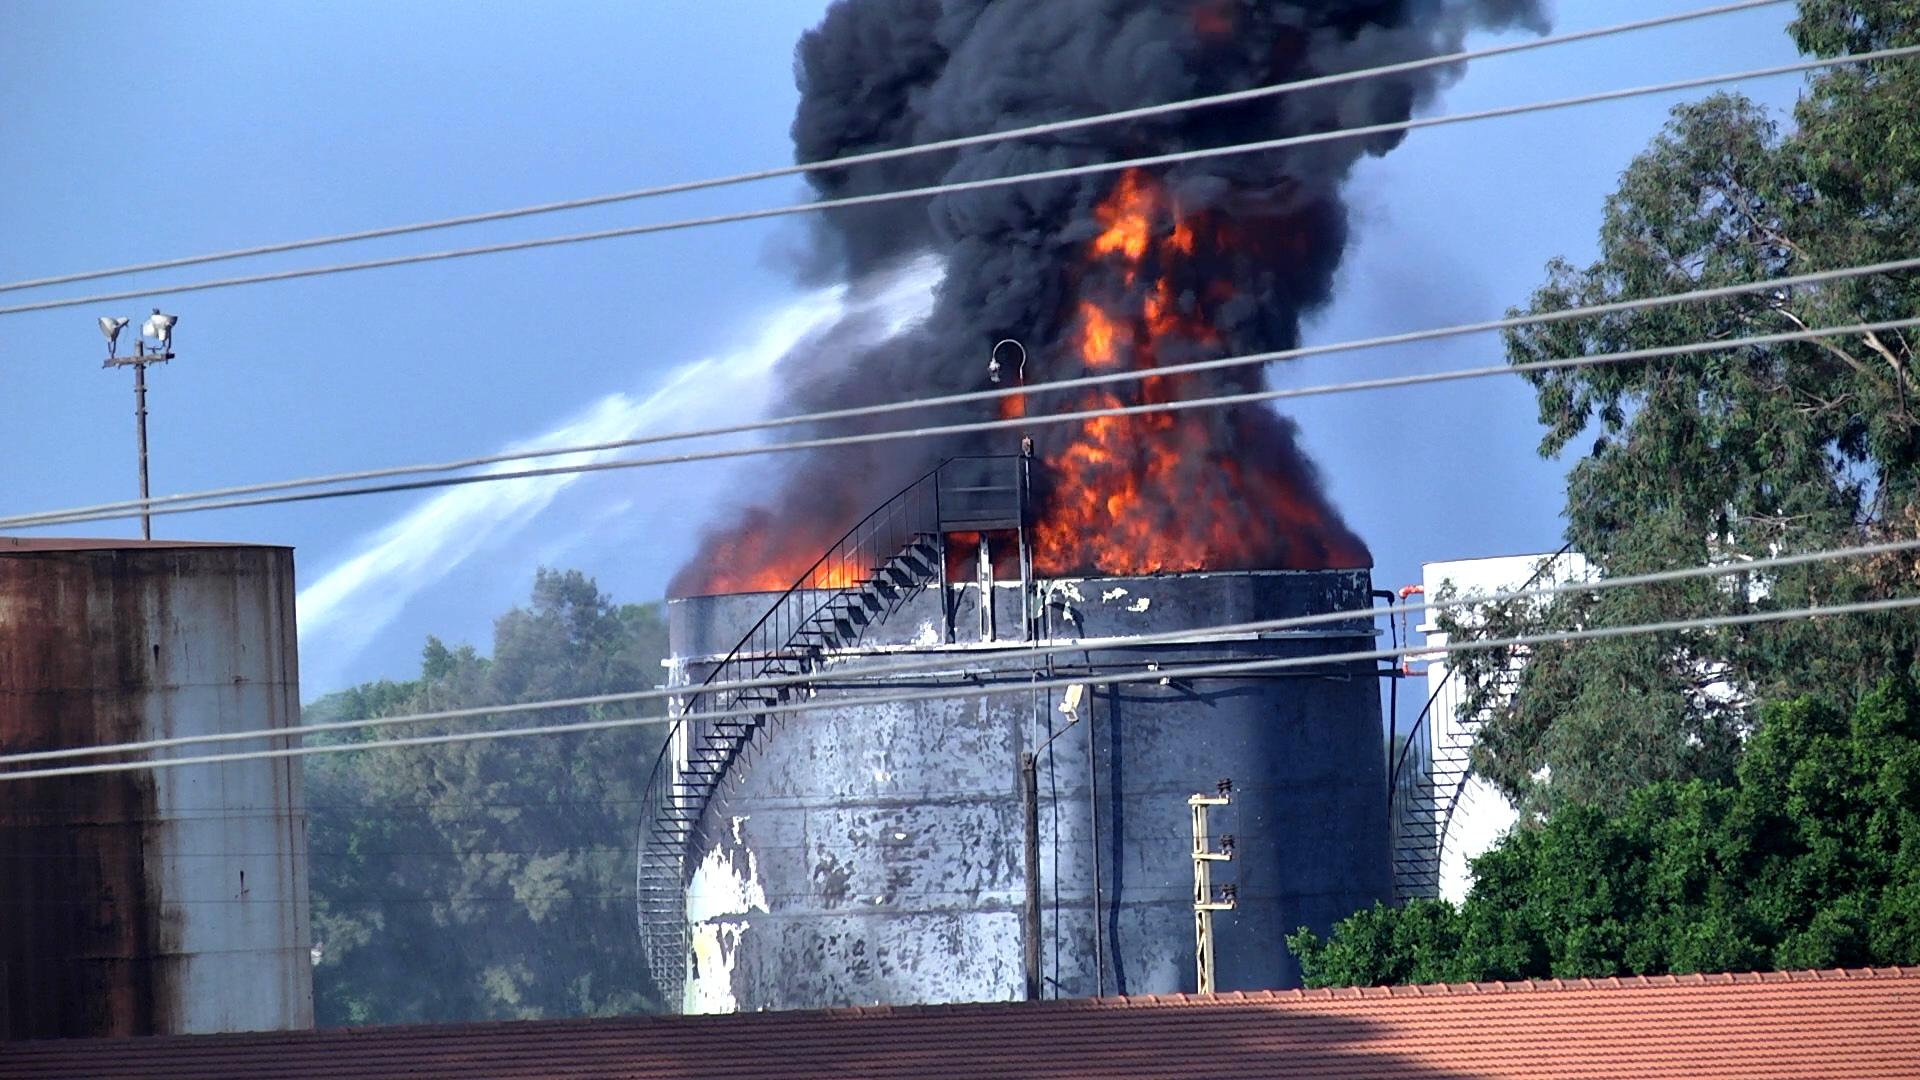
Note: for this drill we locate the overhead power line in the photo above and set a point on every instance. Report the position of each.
(87, 513)
(184, 504)
(958, 186)
(876, 156)
(919, 665)
(1194, 671)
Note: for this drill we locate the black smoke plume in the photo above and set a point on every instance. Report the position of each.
(887, 73)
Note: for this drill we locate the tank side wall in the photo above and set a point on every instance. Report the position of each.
(231, 859)
(80, 923)
(175, 900)
(862, 856)
(869, 856)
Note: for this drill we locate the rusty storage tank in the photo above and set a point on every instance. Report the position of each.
(876, 854)
(155, 901)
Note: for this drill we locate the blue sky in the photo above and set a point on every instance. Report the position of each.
(134, 132)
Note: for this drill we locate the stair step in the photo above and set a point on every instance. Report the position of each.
(846, 614)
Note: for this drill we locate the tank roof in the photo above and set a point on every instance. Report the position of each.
(27, 545)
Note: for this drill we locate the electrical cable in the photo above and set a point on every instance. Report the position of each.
(1003, 894)
(1218, 670)
(918, 845)
(918, 665)
(982, 183)
(972, 396)
(49, 518)
(876, 156)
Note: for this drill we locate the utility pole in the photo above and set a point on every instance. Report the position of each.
(1030, 915)
(160, 328)
(1030, 803)
(1205, 903)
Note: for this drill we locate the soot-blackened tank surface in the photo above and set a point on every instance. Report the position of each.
(164, 901)
(875, 854)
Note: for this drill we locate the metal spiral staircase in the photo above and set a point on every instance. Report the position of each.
(893, 553)
(1422, 820)
(1428, 806)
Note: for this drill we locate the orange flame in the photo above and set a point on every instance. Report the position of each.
(1138, 493)
(1110, 489)
(1213, 19)
(754, 556)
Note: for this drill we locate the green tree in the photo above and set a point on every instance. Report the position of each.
(490, 879)
(1809, 857)
(1735, 454)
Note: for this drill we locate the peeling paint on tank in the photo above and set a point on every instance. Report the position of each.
(928, 635)
(716, 946)
(832, 879)
(726, 886)
(727, 881)
(888, 838)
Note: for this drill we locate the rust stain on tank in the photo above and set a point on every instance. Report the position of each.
(87, 636)
(79, 917)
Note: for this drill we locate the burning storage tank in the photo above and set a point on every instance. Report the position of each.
(863, 852)
(874, 852)
(154, 901)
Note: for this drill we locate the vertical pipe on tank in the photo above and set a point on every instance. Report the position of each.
(1030, 913)
(986, 588)
(1093, 825)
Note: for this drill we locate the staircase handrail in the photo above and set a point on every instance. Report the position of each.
(674, 809)
(1452, 670)
(799, 585)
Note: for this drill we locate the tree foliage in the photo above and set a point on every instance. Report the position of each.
(1808, 858)
(489, 879)
(1730, 455)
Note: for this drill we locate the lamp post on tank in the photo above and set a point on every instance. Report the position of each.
(993, 363)
(158, 328)
(1026, 480)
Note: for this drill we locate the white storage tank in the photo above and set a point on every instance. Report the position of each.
(1465, 814)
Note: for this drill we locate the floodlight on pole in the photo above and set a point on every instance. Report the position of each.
(110, 327)
(159, 327)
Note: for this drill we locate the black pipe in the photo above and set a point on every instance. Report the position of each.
(1393, 701)
(1030, 917)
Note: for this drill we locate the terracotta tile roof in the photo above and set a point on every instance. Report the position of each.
(1858, 1023)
